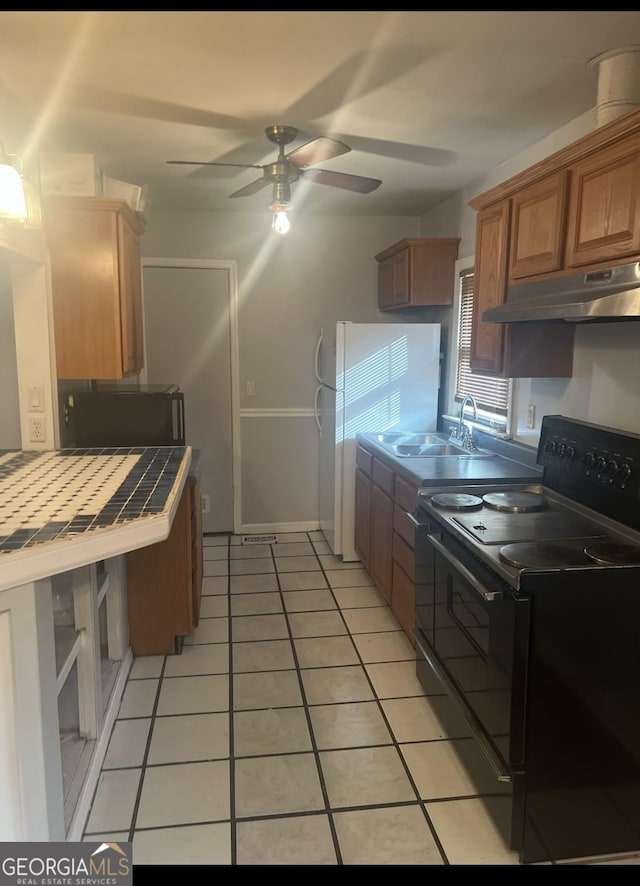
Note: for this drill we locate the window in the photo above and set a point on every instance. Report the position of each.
(491, 393)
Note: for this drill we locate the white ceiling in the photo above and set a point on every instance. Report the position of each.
(428, 101)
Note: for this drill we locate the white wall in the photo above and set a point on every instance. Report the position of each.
(290, 286)
(603, 388)
(10, 437)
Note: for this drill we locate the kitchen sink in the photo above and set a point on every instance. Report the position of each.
(412, 439)
(418, 445)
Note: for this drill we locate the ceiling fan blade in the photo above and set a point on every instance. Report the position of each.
(358, 183)
(317, 151)
(255, 186)
(214, 163)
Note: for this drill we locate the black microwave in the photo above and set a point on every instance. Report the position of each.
(122, 415)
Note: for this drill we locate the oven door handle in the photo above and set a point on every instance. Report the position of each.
(489, 596)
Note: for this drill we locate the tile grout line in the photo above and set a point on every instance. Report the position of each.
(305, 708)
(143, 768)
(395, 743)
(233, 836)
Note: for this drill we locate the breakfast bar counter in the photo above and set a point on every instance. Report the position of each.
(68, 518)
(66, 508)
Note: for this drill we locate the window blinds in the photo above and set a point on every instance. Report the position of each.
(492, 394)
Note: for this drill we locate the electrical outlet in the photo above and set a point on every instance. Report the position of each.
(206, 504)
(531, 415)
(37, 429)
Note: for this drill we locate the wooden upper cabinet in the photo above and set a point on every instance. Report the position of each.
(510, 350)
(604, 212)
(96, 286)
(417, 273)
(538, 218)
(490, 282)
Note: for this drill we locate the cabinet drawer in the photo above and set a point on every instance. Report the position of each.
(383, 477)
(364, 460)
(404, 556)
(406, 495)
(404, 526)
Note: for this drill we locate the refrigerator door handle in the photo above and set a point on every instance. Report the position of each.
(315, 408)
(317, 366)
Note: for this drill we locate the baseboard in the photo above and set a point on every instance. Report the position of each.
(271, 528)
(83, 807)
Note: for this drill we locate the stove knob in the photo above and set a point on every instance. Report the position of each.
(625, 472)
(589, 460)
(550, 447)
(561, 450)
(570, 453)
(601, 464)
(613, 467)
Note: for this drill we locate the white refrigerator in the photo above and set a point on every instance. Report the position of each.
(371, 377)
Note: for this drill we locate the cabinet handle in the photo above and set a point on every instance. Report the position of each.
(318, 346)
(315, 408)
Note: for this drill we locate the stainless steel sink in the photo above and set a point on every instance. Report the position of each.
(419, 445)
(410, 439)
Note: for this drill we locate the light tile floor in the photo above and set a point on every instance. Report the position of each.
(291, 730)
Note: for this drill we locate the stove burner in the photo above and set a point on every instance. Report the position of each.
(544, 554)
(456, 501)
(612, 554)
(515, 502)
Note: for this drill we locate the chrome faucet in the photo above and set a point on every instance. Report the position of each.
(464, 433)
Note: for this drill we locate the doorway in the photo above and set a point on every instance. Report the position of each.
(190, 325)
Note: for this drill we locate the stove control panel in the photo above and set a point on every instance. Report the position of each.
(590, 452)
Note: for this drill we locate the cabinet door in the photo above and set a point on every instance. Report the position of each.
(362, 540)
(160, 588)
(537, 227)
(393, 280)
(82, 242)
(380, 558)
(96, 286)
(131, 321)
(403, 599)
(488, 340)
(604, 206)
(197, 550)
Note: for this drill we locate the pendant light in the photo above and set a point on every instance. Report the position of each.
(13, 206)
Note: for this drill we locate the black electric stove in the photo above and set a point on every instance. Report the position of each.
(528, 611)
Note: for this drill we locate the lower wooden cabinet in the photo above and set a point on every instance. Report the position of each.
(362, 538)
(164, 583)
(385, 534)
(403, 598)
(381, 554)
(197, 549)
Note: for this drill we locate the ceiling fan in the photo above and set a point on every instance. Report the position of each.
(288, 168)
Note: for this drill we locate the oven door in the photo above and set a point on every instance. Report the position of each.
(473, 629)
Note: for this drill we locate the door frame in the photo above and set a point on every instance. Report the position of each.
(231, 267)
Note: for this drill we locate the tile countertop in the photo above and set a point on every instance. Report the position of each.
(509, 461)
(61, 509)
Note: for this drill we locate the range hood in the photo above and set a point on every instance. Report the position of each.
(596, 296)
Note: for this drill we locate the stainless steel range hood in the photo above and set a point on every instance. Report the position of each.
(596, 296)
